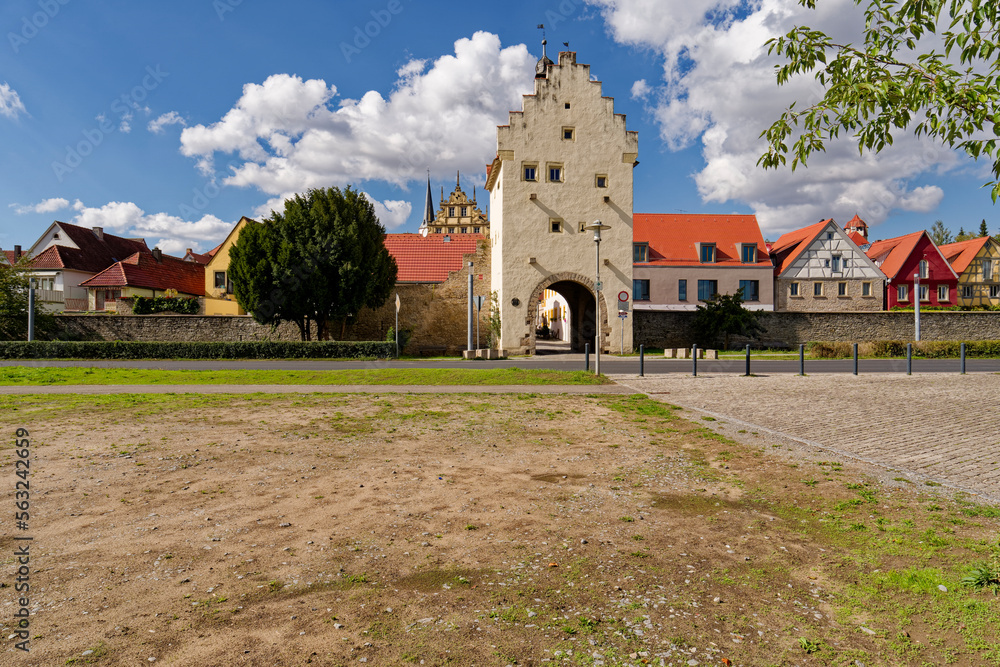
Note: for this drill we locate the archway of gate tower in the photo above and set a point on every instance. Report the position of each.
(579, 322)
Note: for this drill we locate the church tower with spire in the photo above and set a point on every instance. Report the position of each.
(457, 215)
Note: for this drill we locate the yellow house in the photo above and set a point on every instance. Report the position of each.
(219, 299)
(977, 263)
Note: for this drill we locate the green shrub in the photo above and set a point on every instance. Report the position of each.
(896, 348)
(221, 350)
(144, 305)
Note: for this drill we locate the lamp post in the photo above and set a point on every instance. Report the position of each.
(597, 226)
(916, 305)
(31, 309)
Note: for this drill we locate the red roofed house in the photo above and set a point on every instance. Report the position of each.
(820, 268)
(857, 230)
(903, 257)
(977, 263)
(144, 274)
(680, 260)
(67, 255)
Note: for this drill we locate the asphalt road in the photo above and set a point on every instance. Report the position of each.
(563, 362)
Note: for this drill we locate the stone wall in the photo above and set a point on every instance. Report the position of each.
(436, 313)
(170, 328)
(673, 329)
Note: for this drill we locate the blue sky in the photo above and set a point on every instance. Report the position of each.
(172, 120)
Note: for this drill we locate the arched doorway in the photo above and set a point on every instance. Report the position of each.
(578, 291)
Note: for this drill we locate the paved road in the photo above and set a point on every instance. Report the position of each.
(566, 362)
(940, 427)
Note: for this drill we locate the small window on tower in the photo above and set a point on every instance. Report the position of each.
(531, 172)
(602, 181)
(567, 105)
(555, 226)
(569, 134)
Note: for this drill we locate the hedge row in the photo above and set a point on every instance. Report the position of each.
(144, 305)
(897, 348)
(236, 350)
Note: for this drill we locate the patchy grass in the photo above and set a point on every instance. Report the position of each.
(458, 529)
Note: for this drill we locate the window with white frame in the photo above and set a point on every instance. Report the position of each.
(943, 294)
(555, 173)
(925, 293)
(530, 171)
(902, 292)
(923, 269)
(994, 291)
(987, 269)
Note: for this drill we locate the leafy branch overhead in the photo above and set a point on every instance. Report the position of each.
(926, 66)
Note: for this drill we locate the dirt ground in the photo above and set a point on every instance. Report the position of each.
(470, 530)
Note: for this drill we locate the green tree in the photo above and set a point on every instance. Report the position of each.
(983, 231)
(723, 316)
(940, 234)
(323, 259)
(904, 76)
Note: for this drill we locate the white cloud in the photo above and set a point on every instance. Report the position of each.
(290, 135)
(10, 102)
(44, 206)
(168, 232)
(718, 89)
(391, 213)
(170, 118)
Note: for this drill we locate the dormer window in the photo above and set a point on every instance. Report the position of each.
(748, 253)
(451, 211)
(640, 252)
(707, 253)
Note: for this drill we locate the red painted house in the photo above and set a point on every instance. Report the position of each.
(903, 257)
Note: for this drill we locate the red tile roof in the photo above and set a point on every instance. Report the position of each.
(93, 254)
(672, 237)
(9, 254)
(858, 238)
(428, 259)
(961, 254)
(141, 270)
(898, 248)
(789, 246)
(197, 257)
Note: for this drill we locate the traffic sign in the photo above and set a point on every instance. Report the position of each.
(599, 286)
(622, 314)
(623, 296)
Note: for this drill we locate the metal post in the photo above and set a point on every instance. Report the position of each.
(31, 310)
(694, 357)
(642, 360)
(747, 374)
(597, 307)
(909, 358)
(586, 357)
(479, 316)
(855, 358)
(470, 308)
(916, 306)
(397, 325)
(802, 360)
(963, 358)
(622, 346)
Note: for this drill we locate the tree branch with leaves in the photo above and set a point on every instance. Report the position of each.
(896, 81)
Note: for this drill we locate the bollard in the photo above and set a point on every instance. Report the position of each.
(642, 360)
(586, 357)
(963, 358)
(748, 362)
(802, 360)
(694, 356)
(909, 358)
(855, 358)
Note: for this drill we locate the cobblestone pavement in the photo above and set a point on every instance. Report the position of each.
(944, 428)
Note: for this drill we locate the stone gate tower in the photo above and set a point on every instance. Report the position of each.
(563, 162)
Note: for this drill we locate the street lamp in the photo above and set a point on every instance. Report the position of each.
(31, 309)
(597, 226)
(916, 305)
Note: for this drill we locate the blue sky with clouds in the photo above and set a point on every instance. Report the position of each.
(172, 120)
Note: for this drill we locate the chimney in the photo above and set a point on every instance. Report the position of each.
(17, 252)
(158, 255)
(99, 232)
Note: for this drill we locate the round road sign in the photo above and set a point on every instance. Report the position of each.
(623, 296)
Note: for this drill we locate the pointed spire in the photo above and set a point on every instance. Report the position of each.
(458, 180)
(429, 204)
